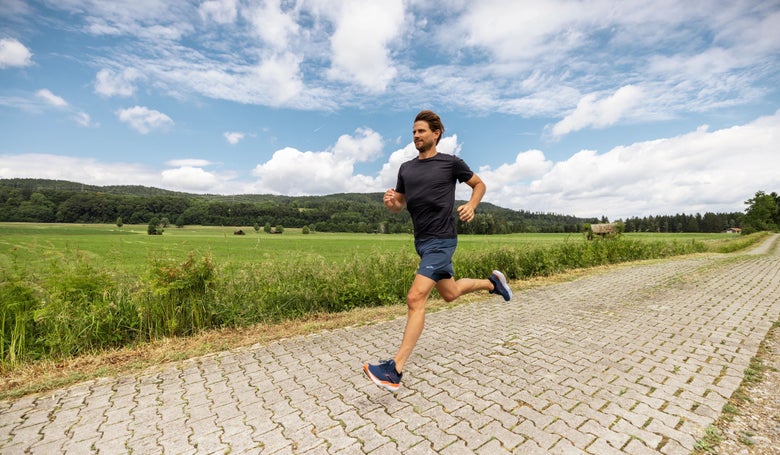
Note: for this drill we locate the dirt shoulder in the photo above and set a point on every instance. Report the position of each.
(750, 424)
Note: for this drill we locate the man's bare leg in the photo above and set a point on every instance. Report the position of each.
(450, 289)
(415, 321)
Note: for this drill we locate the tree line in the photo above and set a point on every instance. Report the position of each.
(47, 201)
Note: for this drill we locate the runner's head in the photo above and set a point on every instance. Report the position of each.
(433, 121)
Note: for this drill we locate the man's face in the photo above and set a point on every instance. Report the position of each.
(424, 138)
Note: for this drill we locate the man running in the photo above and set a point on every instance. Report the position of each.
(426, 187)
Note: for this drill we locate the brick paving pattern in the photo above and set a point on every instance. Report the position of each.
(637, 360)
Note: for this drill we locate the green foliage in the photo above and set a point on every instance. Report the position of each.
(154, 227)
(709, 442)
(17, 327)
(762, 214)
(81, 309)
(548, 260)
(178, 299)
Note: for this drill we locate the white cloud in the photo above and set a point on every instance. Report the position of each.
(220, 11)
(83, 119)
(274, 26)
(508, 56)
(144, 120)
(110, 83)
(360, 42)
(13, 53)
(76, 169)
(695, 172)
(365, 145)
(189, 162)
(278, 77)
(512, 29)
(290, 171)
(50, 98)
(234, 138)
(156, 21)
(592, 112)
(189, 178)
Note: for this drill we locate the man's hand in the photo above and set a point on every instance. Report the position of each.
(466, 212)
(393, 201)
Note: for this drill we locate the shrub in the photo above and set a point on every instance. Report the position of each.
(177, 299)
(17, 327)
(80, 310)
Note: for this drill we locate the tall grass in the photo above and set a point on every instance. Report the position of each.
(72, 306)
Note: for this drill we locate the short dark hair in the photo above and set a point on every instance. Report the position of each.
(433, 120)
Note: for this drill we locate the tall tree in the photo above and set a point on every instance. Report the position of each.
(762, 213)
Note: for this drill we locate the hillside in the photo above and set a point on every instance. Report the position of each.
(46, 201)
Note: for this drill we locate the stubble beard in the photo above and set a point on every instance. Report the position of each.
(423, 147)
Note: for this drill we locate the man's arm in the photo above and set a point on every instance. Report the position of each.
(394, 200)
(478, 188)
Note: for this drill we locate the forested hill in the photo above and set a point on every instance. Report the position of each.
(40, 200)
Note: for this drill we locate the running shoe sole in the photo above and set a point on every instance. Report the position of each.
(383, 384)
(502, 279)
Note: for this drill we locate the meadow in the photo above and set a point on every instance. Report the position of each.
(67, 290)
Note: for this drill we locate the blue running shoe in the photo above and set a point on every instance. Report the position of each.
(384, 375)
(499, 285)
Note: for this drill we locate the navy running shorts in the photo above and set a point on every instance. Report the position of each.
(436, 257)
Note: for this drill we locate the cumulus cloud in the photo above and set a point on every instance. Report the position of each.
(14, 54)
(189, 178)
(290, 171)
(275, 26)
(110, 83)
(144, 120)
(695, 172)
(599, 113)
(360, 52)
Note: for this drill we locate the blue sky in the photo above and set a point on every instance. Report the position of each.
(587, 108)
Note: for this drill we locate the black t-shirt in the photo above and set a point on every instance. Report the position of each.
(429, 187)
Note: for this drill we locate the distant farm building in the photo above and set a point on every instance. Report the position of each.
(601, 230)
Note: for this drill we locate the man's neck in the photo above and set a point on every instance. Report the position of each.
(430, 153)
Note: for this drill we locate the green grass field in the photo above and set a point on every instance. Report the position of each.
(129, 250)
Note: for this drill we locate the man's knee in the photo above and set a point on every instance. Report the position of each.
(449, 297)
(416, 300)
(448, 290)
